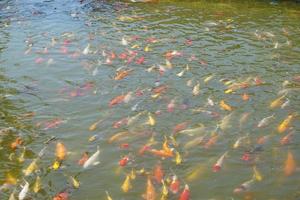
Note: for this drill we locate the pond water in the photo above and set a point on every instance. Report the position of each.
(205, 90)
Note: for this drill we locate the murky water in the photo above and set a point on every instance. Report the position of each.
(58, 65)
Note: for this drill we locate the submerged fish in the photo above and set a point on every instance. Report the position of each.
(265, 121)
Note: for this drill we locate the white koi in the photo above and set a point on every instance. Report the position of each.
(93, 160)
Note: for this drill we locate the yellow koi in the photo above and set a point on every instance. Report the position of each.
(277, 102)
(37, 185)
(151, 120)
(31, 168)
(75, 182)
(283, 126)
(126, 186)
(108, 197)
(178, 159)
(256, 174)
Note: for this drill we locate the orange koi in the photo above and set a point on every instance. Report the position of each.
(262, 140)
(245, 97)
(179, 127)
(161, 153)
(60, 151)
(122, 74)
(158, 173)
(290, 164)
(150, 191)
(14, 145)
(225, 106)
(211, 141)
(159, 89)
(117, 100)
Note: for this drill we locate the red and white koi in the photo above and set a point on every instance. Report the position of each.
(218, 165)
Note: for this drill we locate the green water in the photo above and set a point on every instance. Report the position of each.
(46, 69)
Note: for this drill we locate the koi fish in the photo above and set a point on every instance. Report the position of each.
(175, 185)
(74, 182)
(284, 125)
(151, 120)
(178, 159)
(192, 131)
(126, 186)
(140, 60)
(117, 100)
(150, 191)
(119, 123)
(194, 142)
(225, 106)
(31, 168)
(14, 145)
(86, 50)
(277, 102)
(238, 142)
(244, 187)
(108, 197)
(60, 151)
(225, 122)
(123, 162)
(93, 160)
(265, 121)
(245, 97)
(197, 171)
(117, 136)
(185, 195)
(135, 118)
(171, 106)
(94, 125)
(208, 78)
(286, 139)
(256, 174)
(211, 141)
(180, 127)
(164, 191)
(158, 173)
(217, 167)
(244, 118)
(285, 104)
(61, 196)
(83, 159)
(24, 191)
(161, 153)
(37, 184)
(122, 74)
(290, 164)
(196, 89)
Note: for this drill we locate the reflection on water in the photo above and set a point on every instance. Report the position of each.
(206, 91)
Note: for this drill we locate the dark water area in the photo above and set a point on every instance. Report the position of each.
(204, 91)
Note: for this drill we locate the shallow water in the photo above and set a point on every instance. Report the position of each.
(47, 69)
